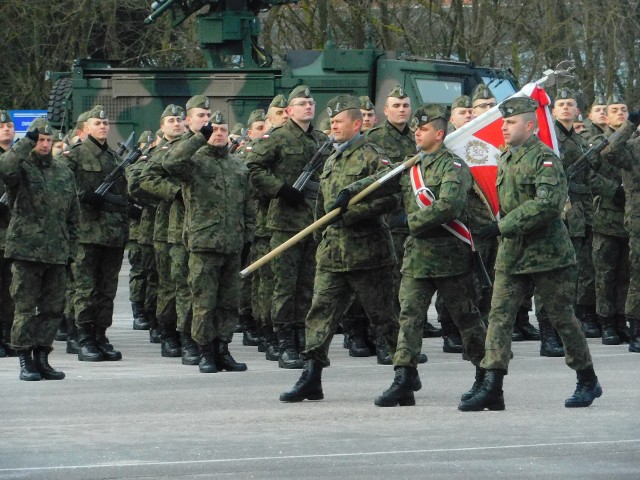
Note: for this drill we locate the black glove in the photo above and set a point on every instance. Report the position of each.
(399, 220)
(32, 135)
(244, 256)
(134, 211)
(5, 210)
(207, 131)
(290, 195)
(342, 201)
(92, 199)
(489, 232)
(619, 197)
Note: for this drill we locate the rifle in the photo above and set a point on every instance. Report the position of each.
(126, 146)
(314, 164)
(235, 142)
(4, 200)
(584, 160)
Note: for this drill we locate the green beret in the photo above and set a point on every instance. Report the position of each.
(42, 125)
(173, 111)
(58, 136)
(97, 112)
(218, 118)
(615, 99)
(565, 93)
(517, 105)
(341, 103)
(68, 137)
(279, 101)
(398, 92)
(301, 91)
(256, 116)
(366, 103)
(481, 92)
(599, 100)
(428, 113)
(84, 116)
(198, 101)
(325, 125)
(5, 117)
(463, 101)
(237, 129)
(144, 137)
(159, 133)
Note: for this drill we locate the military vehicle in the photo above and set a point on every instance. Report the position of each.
(228, 32)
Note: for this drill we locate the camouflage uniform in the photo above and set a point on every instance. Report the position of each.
(6, 302)
(40, 240)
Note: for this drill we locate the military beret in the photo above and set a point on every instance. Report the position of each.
(84, 116)
(398, 92)
(144, 137)
(237, 129)
(218, 118)
(341, 103)
(5, 117)
(58, 136)
(173, 111)
(615, 99)
(482, 92)
(97, 111)
(198, 101)
(366, 103)
(42, 125)
(301, 91)
(428, 113)
(565, 93)
(279, 101)
(599, 100)
(463, 101)
(68, 137)
(159, 133)
(256, 116)
(325, 125)
(517, 105)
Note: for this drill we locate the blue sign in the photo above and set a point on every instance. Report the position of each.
(23, 118)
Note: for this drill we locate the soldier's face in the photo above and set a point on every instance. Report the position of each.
(344, 127)
(220, 135)
(461, 116)
(7, 133)
(302, 109)
(44, 144)
(428, 139)
(256, 130)
(98, 128)
(517, 130)
(398, 110)
(369, 119)
(617, 114)
(598, 115)
(579, 127)
(57, 148)
(172, 127)
(482, 105)
(277, 116)
(565, 110)
(198, 118)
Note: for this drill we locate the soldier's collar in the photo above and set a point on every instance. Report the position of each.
(563, 130)
(42, 160)
(102, 146)
(391, 128)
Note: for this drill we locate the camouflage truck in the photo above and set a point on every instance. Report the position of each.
(228, 33)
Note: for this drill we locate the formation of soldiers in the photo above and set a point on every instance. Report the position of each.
(203, 201)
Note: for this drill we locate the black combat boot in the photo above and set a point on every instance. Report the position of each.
(382, 351)
(622, 329)
(223, 358)
(489, 395)
(609, 331)
(28, 371)
(88, 350)
(430, 331)
(207, 361)
(476, 385)
(357, 330)
(110, 354)
(41, 364)
(61, 334)
(634, 335)
(170, 346)
(452, 343)
(289, 356)
(140, 320)
(249, 331)
(9, 351)
(190, 355)
(262, 346)
(587, 316)
(549, 342)
(308, 386)
(401, 390)
(155, 336)
(3, 352)
(528, 331)
(587, 389)
(272, 352)
(516, 334)
(72, 336)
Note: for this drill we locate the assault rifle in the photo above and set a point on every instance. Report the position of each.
(584, 160)
(126, 146)
(314, 164)
(235, 142)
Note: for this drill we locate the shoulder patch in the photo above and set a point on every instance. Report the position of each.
(547, 163)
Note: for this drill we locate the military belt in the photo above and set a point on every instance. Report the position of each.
(435, 233)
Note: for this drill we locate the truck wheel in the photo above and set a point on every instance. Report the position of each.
(57, 102)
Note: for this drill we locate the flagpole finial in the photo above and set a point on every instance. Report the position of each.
(560, 75)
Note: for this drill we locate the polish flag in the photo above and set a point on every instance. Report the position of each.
(480, 142)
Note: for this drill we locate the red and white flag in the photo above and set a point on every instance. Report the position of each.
(480, 142)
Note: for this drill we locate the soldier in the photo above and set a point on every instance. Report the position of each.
(482, 100)
(275, 163)
(461, 111)
(355, 253)
(596, 122)
(215, 186)
(277, 113)
(7, 134)
(101, 239)
(626, 156)
(40, 241)
(532, 190)
(368, 109)
(325, 126)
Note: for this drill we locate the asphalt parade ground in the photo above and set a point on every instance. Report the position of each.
(149, 417)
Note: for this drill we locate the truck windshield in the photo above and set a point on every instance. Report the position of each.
(438, 91)
(502, 88)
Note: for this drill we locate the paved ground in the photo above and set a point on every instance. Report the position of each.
(151, 417)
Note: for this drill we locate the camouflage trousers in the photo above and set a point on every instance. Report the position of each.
(215, 289)
(398, 238)
(585, 272)
(245, 305)
(415, 297)
(332, 294)
(95, 272)
(261, 282)
(6, 302)
(556, 292)
(137, 275)
(166, 293)
(632, 305)
(38, 293)
(293, 273)
(69, 295)
(180, 277)
(611, 262)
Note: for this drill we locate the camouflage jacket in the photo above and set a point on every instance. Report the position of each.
(220, 213)
(44, 224)
(262, 202)
(532, 190)
(90, 164)
(280, 159)
(580, 214)
(148, 203)
(5, 213)
(360, 240)
(591, 130)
